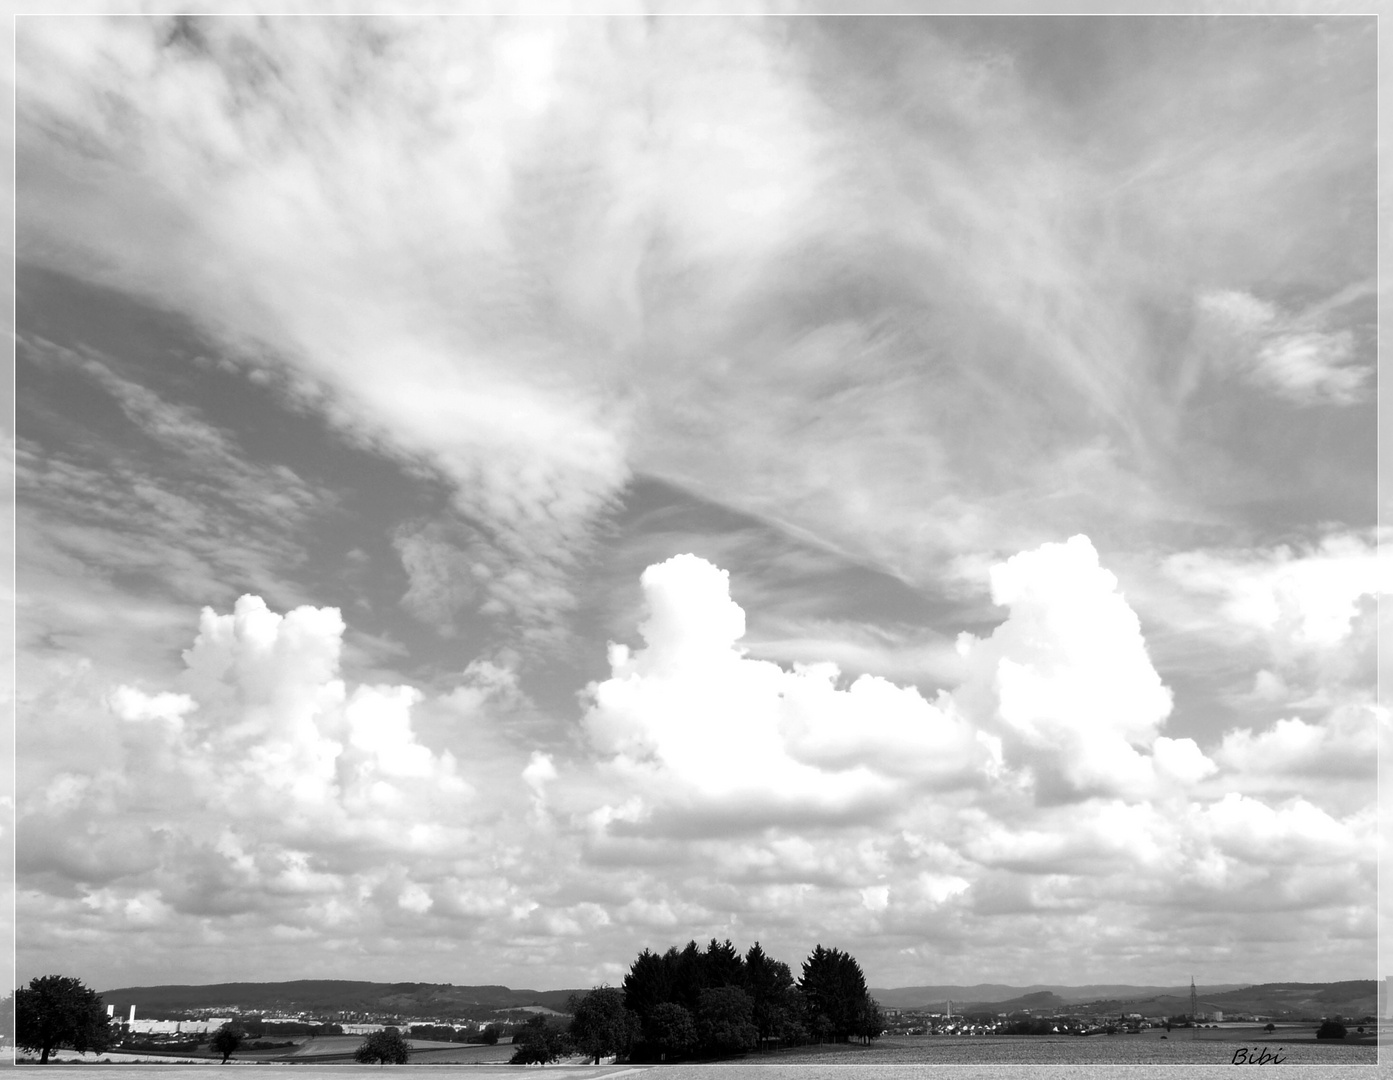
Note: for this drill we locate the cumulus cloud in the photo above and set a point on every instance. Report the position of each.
(1331, 760)
(690, 720)
(264, 786)
(1078, 806)
(1305, 597)
(734, 796)
(1067, 680)
(272, 732)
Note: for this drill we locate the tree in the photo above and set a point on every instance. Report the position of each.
(777, 1006)
(538, 1042)
(724, 1021)
(1331, 1029)
(601, 1025)
(688, 974)
(386, 1047)
(838, 1005)
(670, 1032)
(57, 1010)
(869, 1022)
(489, 1036)
(227, 1039)
(722, 964)
(648, 983)
(1269, 1028)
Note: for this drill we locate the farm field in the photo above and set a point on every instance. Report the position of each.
(1039, 1056)
(320, 1050)
(1209, 1046)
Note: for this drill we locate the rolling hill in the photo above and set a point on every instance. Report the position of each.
(329, 996)
(1353, 998)
(933, 997)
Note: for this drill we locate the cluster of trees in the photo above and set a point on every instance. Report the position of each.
(257, 1028)
(449, 1033)
(711, 1002)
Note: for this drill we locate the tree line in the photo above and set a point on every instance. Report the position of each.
(711, 1002)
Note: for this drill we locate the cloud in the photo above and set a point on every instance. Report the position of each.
(444, 568)
(688, 720)
(1066, 680)
(679, 256)
(926, 320)
(260, 793)
(458, 335)
(271, 733)
(264, 750)
(1298, 597)
(1286, 355)
(134, 525)
(1331, 760)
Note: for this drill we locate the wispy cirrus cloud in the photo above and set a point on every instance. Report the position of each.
(1290, 356)
(682, 254)
(184, 510)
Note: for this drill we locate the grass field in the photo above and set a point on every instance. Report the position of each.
(1211, 1046)
(1199, 1049)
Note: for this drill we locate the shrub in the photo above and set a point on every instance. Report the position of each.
(386, 1047)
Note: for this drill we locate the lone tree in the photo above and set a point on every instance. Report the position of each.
(227, 1039)
(539, 1042)
(386, 1047)
(601, 1025)
(57, 1010)
(1331, 1029)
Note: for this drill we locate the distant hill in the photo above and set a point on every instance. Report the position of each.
(322, 996)
(443, 1001)
(1354, 998)
(933, 997)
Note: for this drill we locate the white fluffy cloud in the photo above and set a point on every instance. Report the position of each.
(1303, 599)
(1063, 801)
(689, 719)
(268, 733)
(1067, 681)
(735, 797)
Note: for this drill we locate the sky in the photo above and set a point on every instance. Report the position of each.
(497, 494)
